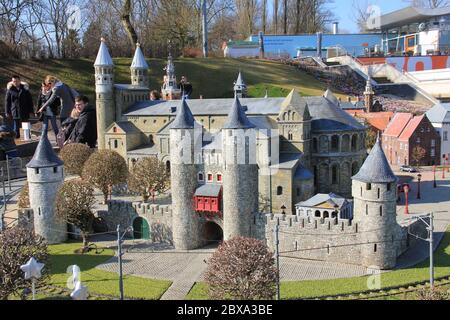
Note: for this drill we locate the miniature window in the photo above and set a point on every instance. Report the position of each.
(381, 211)
(55, 169)
(279, 191)
(210, 177)
(116, 144)
(375, 248)
(219, 178)
(36, 170)
(290, 136)
(368, 186)
(201, 177)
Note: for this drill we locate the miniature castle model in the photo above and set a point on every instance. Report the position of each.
(240, 88)
(238, 168)
(45, 174)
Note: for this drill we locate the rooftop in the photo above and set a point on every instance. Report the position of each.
(103, 57)
(440, 113)
(44, 156)
(320, 198)
(139, 59)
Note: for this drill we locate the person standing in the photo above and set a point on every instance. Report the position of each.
(64, 93)
(85, 130)
(51, 111)
(18, 103)
(186, 87)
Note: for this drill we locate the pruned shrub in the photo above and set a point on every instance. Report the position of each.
(75, 156)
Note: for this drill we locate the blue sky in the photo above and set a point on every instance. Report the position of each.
(343, 8)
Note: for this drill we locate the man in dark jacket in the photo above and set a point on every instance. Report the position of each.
(85, 130)
(186, 87)
(18, 103)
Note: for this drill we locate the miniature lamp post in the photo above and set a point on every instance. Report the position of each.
(406, 190)
(419, 178)
(336, 211)
(32, 271)
(434, 177)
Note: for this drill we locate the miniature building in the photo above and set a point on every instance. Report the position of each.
(325, 206)
(170, 90)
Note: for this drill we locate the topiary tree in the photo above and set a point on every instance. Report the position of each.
(371, 138)
(147, 177)
(17, 246)
(24, 197)
(74, 202)
(75, 156)
(105, 169)
(241, 269)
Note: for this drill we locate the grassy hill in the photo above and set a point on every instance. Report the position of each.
(212, 78)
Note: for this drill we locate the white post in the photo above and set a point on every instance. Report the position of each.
(277, 256)
(431, 251)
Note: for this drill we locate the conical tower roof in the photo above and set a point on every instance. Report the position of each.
(139, 59)
(103, 57)
(44, 156)
(184, 118)
(237, 119)
(240, 80)
(376, 168)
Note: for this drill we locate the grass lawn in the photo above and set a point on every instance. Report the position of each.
(212, 78)
(98, 281)
(335, 287)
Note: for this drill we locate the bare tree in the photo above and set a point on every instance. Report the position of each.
(432, 4)
(360, 14)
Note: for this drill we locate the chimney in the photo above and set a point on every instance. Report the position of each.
(335, 27)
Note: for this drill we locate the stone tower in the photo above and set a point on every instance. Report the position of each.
(374, 189)
(139, 69)
(295, 126)
(45, 173)
(368, 95)
(170, 90)
(240, 183)
(104, 89)
(183, 172)
(240, 88)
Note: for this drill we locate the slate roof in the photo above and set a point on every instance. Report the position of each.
(208, 190)
(237, 119)
(326, 116)
(126, 126)
(287, 160)
(376, 168)
(319, 198)
(184, 118)
(44, 156)
(440, 113)
(144, 150)
(139, 59)
(103, 57)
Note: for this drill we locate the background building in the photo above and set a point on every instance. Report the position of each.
(439, 116)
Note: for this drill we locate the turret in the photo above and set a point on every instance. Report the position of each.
(45, 174)
(139, 69)
(185, 226)
(240, 183)
(240, 88)
(374, 189)
(104, 89)
(368, 95)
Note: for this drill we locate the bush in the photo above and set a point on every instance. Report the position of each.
(75, 156)
(24, 197)
(17, 246)
(74, 202)
(105, 169)
(433, 294)
(147, 177)
(242, 269)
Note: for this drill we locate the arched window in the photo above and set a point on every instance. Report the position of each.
(294, 116)
(201, 177)
(345, 143)
(290, 136)
(219, 177)
(315, 145)
(354, 143)
(116, 144)
(375, 248)
(279, 191)
(335, 143)
(168, 166)
(326, 214)
(334, 174)
(317, 214)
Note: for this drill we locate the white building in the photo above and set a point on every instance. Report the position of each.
(439, 116)
(325, 206)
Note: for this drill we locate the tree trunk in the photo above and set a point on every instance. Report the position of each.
(275, 15)
(297, 17)
(264, 17)
(126, 21)
(84, 236)
(285, 17)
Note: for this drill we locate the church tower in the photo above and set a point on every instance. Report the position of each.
(139, 69)
(295, 126)
(374, 189)
(104, 89)
(240, 183)
(368, 95)
(186, 227)
(240, 88)
(45, 174)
